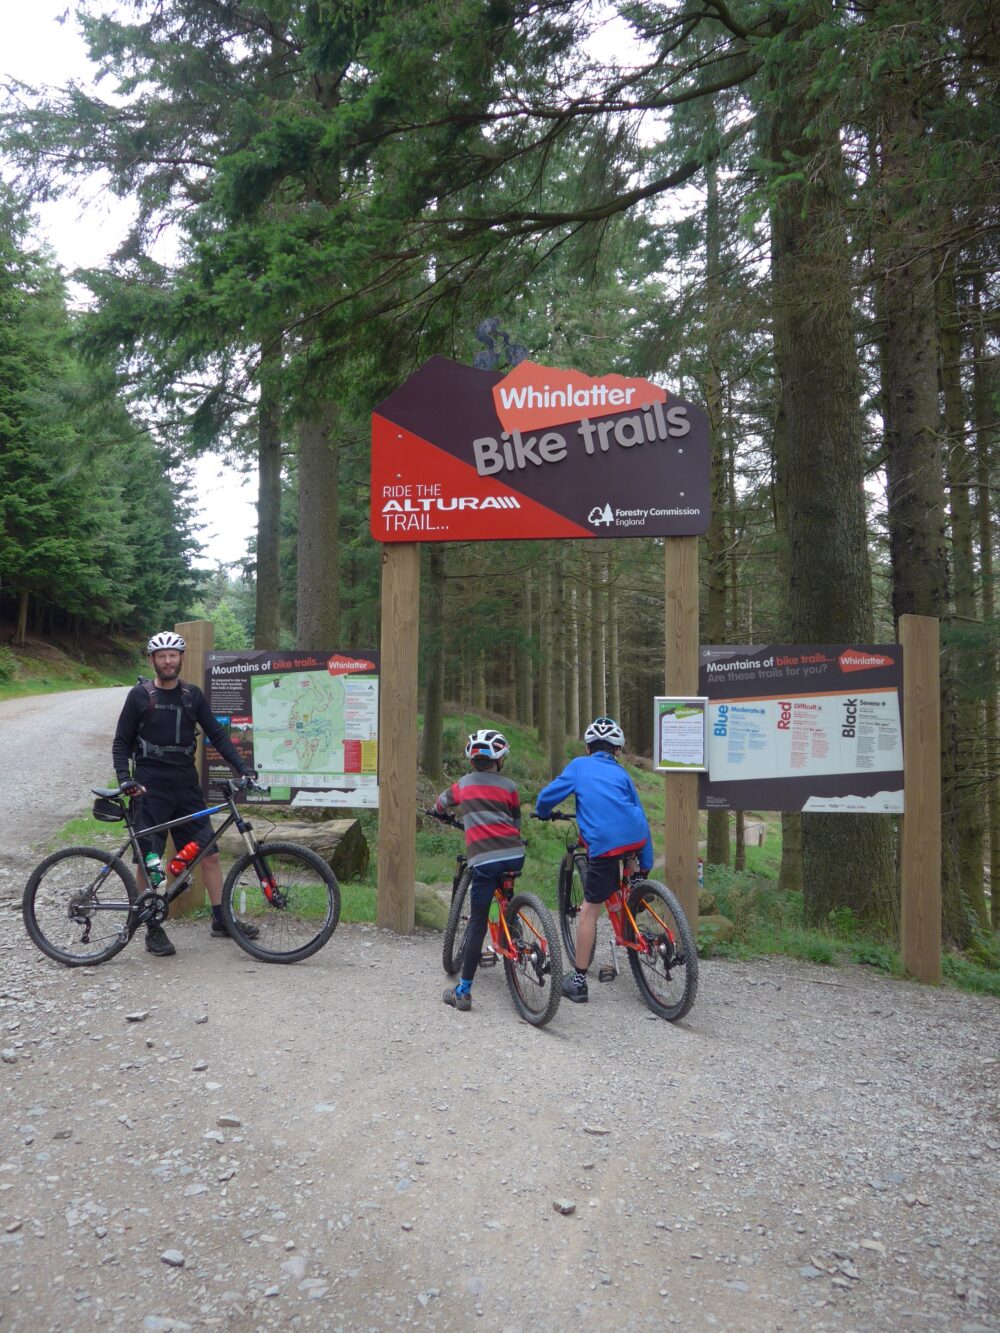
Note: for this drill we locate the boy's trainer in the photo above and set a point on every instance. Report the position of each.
(461, 1001)
(574, 987)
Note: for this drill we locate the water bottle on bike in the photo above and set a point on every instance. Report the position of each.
(179, 863)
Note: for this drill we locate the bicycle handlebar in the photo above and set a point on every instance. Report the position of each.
(445, 819)
(555, 816)
(233, 786)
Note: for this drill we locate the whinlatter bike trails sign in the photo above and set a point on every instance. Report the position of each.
(462, 454)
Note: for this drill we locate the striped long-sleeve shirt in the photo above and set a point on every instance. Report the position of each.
(490, 808)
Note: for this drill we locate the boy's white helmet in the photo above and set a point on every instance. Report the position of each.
(604, 729)
(487, 744)
(166, 639)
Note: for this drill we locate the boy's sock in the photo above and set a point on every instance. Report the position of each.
(463, 987)
(217, 916)
(581, 977)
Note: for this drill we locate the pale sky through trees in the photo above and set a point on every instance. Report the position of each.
(82, 231)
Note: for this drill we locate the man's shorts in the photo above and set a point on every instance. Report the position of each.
(160, 804)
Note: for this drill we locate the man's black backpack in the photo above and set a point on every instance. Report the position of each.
(144, 747)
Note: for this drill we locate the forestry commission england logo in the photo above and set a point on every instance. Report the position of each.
(599, 516)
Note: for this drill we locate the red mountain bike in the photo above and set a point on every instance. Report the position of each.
(521, 933)
(647, 921)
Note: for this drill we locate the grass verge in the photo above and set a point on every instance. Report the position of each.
(768, 921)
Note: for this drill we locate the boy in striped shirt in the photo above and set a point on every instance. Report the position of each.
(489, 807)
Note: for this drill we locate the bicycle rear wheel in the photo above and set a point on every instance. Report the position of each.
(666, 972)
(571, 879)
(455, 932)
(60, 902)
(299, 916)
(534, 979)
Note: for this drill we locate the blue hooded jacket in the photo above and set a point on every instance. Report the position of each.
(608, 808)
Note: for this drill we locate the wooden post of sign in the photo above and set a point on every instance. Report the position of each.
(680, 851)
(199, 635)
(920, 919)
(397, 819)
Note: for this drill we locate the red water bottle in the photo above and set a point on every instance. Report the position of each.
(183, 858)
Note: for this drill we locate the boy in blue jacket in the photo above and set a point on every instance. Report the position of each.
(612, 824)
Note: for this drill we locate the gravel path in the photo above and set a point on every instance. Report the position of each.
(328, 1146)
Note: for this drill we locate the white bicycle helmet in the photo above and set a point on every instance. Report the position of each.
(487, 744)
(604, 729)
(166, 639)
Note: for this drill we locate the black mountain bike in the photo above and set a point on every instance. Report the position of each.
(82, 906)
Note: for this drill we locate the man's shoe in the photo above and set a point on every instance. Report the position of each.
(574, 989)
(220, 931)
(158, 943)
(462, 1002)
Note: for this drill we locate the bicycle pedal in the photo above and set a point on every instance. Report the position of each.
(606, 972)
(488, 960)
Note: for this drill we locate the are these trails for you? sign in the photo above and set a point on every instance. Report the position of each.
(461, 454)
(804, 728)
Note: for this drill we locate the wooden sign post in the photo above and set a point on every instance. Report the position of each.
(680, 849)
(397, 850)
(199, 635)
(920, 852)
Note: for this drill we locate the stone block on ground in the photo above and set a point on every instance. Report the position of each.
(340, 842)
(707, 904)
(432, 904)
(715, 929)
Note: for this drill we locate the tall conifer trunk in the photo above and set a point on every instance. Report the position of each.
(267, 620)
(433, 655)
(847, 862)
(613, 646)
(525, 661)
(555, 667)
(986, 422)
(716, 541)
(914, 466)
(967, 763)
(319, 521)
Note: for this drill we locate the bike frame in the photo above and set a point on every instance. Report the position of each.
(501, 939)
(172, 889)
(617, 905)
(500, 936)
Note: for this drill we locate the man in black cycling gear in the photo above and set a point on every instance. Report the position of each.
(154, 748)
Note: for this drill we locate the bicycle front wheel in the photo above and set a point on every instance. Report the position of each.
(287, 914)
(666, 967)
(534, 977)
(76, 905)
(571, 877)
(455, 932)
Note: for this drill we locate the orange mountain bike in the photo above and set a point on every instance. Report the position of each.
(522, 934)
(646, 920)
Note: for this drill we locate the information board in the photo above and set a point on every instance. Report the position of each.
(307, 721)
(803, 728)
(679, 734)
